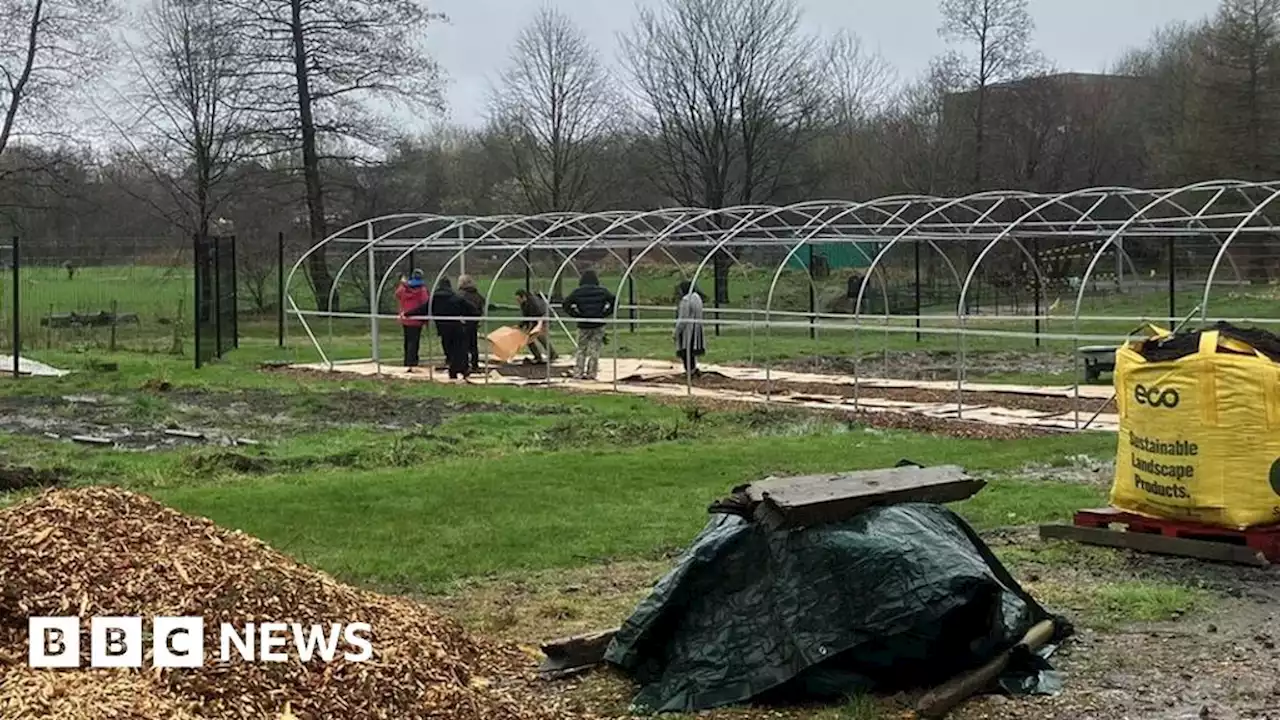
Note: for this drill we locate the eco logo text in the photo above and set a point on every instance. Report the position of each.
(1156, 397)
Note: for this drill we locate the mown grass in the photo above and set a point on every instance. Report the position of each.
(542, 480)
(162, 298)
(463, 517)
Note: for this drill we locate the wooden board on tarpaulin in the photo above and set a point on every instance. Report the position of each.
(815, 499)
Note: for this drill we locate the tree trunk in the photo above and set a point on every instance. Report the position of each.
(18, 88)
(979, 137)
(317, 263)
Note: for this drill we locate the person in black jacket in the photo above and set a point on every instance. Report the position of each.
(449, 311)
(591, 304)
(467, 290)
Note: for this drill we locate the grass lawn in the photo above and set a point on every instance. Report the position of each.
(161, 298)
(525, 480)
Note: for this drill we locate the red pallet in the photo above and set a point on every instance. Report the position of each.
(1264, 540)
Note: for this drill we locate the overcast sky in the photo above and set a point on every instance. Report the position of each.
(1079, 35)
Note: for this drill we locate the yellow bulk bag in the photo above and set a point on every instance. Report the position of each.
(1199, 435)
(505, 342)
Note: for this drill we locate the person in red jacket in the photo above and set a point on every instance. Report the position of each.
(410, 294)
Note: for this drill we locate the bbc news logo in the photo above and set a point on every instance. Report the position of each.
(178, 642)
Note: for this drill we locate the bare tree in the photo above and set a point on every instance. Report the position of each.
(860, 81)
(192, 103)
(730, 94)
(47, 48)
(318, 67)
(999, 33)
(917, 136)
(860, 86)
(552, 111)
(1171, 68)
(1242, 76)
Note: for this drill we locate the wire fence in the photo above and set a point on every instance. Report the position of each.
(136, 294)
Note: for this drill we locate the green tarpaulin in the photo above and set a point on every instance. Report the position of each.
(896, 598)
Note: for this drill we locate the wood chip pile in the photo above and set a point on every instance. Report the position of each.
(105, 552)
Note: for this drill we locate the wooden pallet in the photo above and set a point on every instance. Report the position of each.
(1109, 527)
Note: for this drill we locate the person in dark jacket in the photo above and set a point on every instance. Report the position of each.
(590, 303)
(448, 310)
(537, 322)
(467, 290)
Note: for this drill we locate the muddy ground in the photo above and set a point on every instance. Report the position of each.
(938, 365)
(1087, 406)
(1156, 638)
(913, 422)
(161, 418)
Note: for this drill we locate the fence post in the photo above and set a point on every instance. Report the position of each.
(1035, 268)
(17, 308)
(813, 300)
(115, 315)
(915, 245)
(235, 296)
(280, 290)
(375, 340)
(195, 246)
(217, 296)
(631, 288)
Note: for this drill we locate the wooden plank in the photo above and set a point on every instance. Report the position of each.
(1156, 544)
(816, 499)
(572, 655)
(189, 434)
(91, 440)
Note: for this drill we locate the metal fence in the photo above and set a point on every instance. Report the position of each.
(217, 329)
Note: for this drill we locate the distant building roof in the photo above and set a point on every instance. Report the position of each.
(1065, 78)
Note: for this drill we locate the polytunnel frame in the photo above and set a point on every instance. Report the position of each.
(459, 223)
(679, 218)
(566, 220)
(966, 202)
(369, 246)
(323, 245)
(747, 221)
(908, 203)
(1161, 198)
(689, 217)
(500, 223)
(1103, 193)
(507, 221)
(625, 221)
(844, 209)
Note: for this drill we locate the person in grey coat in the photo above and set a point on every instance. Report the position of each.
(688, 334)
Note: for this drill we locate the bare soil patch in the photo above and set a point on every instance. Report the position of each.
(140, 422)
(1087, 406)
(937, 364)
(912, 422)
(13, 478)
